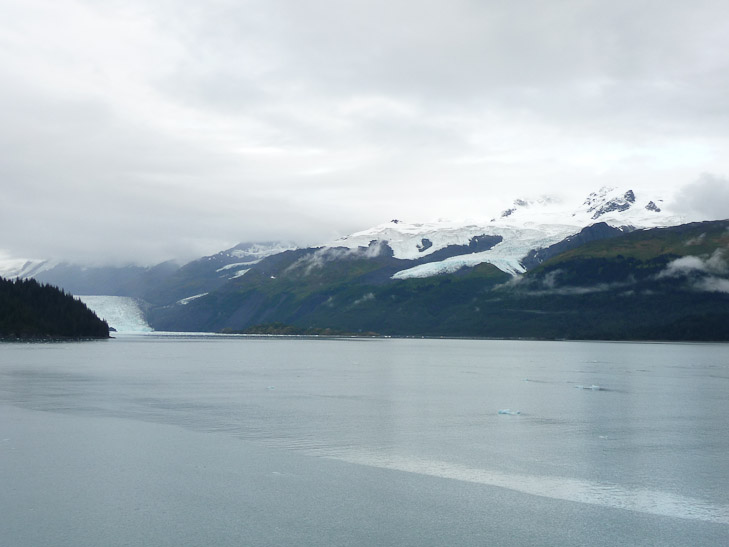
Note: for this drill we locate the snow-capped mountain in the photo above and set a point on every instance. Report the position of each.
(529, 225)
(23, 268)
(238, 260)
(197, 278)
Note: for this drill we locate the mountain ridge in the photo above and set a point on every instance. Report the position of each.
(577, 295)
(528, 273)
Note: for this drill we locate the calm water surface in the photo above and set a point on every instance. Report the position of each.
(165, 440)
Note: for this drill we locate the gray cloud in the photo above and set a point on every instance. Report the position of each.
(148, 130)
(320, 257)
(707, 197)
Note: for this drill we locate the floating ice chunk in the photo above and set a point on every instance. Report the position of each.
(509, 412)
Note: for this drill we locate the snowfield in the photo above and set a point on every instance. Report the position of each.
(528, 225)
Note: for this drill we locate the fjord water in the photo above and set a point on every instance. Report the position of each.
(185, 440)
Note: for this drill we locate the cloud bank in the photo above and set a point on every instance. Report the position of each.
(149, 130)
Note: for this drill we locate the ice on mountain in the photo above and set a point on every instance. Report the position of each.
(529, 225)
(120, 312)
(506, 255)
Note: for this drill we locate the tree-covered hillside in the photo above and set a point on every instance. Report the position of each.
(30, 310)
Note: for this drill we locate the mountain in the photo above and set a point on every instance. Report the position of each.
(30, 310)
(527, 272)
(655, 284)
(162, 283)
(201, 276)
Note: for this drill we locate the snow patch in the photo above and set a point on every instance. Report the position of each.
(189, 299)
(237, 265)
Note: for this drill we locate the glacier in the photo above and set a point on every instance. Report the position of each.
(120, 312)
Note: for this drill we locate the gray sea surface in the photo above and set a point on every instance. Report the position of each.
(212, 440)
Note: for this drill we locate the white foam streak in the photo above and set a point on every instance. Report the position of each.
(653, 502)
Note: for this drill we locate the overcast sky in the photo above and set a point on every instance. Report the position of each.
(151, 129)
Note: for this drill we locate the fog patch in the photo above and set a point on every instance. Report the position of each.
(548, 286)
(322, 256)
(366, 298)
(698, 240)
(713, 284)
(576, 291)
(515, 282)
(688, 265)
(702, 272)
(550, 280)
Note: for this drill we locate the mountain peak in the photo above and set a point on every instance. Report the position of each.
(602, 203)
(531, 203)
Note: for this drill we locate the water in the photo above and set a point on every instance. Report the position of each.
(176, 440)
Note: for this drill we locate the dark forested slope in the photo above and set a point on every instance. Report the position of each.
(29, 309)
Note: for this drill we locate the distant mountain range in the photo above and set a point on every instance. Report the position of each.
(617, 266)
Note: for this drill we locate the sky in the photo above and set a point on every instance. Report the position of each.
(146, 130)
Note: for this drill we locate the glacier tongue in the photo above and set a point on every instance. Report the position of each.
(506, 255)
(120, 312)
